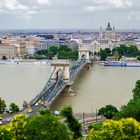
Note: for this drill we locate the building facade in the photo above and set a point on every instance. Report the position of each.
(9, 51)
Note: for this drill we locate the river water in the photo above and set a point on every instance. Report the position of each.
(94, 88)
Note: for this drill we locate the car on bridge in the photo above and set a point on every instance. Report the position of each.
(30, 110)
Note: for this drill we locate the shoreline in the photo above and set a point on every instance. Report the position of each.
(24, 62)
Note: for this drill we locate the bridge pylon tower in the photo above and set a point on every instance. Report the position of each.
(84, 52)
(60, 66)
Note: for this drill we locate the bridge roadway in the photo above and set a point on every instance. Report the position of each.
(50, 92)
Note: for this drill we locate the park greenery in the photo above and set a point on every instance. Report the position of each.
(71, 121)
(123, 129)
(108, 111)
(2, 105)
(118, 52)
(39, 127)
(61, 52)
(13, 108)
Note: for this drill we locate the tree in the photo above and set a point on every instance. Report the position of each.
(72, 122)
(116, 56)
(132, 109)
(64, 48)
(103, 55)
(66, 53)
(45, 112)
(17, 127)
(124, 50)
(4, 133)
(108, 111)
(25, 104)
(46, 126)
(138, 57)
(42, 52)
(133, 50)
(108, 51)
(50, 55)
(136, 90)
(4, 57)
(124, 129)
(2, 106)
(14, 108)
(52, 51)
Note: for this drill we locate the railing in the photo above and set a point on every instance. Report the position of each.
(57, 85)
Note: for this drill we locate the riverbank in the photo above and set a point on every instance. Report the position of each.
(25, 62)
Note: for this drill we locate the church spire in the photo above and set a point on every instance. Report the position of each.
(108, 28)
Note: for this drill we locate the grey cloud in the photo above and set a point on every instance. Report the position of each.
(71, 14)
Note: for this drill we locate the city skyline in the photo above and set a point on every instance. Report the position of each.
(62, 14)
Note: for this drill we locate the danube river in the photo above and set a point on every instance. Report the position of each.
(94, 88)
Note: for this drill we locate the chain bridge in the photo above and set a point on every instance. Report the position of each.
(63, 75)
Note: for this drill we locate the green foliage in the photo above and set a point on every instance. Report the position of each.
(17, 127)
(31, 57)
(96, 127)
(64, 48)
(108, 51)
(66, 53)
(117, 56)
(50, 55)
(138, 57)
(45, 112)
(136, 90)
(62, 52)
(39, 57)
(108, 111)
(53, 49)
(72, 122)
(42, 52)
(46, 126)
(2, 106)
(103, 55)
(4, 133)
(4, 57)
(13, 108)
(124, 129)
(128, 51)
(39, 127)
(131, 110)
(25, 104)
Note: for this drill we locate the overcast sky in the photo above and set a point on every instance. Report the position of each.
(81, 14)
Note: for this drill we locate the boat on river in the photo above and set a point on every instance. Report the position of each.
(115, 63)
(122, 63)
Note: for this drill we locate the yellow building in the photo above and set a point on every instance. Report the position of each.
(21, 49)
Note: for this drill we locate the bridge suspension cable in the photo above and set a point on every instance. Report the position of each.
(46, 87)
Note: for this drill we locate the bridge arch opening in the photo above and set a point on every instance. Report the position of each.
(58, 74)
(83, 57)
